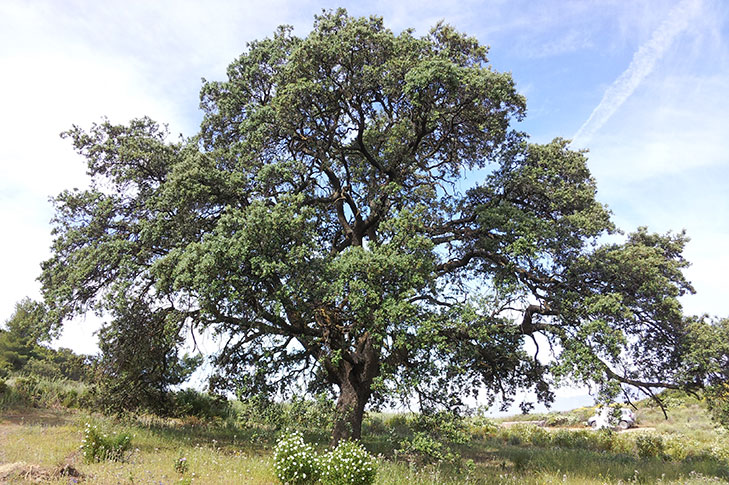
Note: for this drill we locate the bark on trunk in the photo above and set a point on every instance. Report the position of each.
(355, 388)
(350, 411)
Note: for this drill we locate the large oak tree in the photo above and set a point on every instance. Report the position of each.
(358, 213)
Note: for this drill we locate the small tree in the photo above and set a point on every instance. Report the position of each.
(140, 357)
(21, 339)
(23, 346)
(321, 225)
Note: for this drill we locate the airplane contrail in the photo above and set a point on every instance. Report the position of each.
(644, 60)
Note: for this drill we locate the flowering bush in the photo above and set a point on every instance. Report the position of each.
(97, 446)
(348, 464)
(296, 462)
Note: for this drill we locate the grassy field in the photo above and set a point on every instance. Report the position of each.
(36, 444)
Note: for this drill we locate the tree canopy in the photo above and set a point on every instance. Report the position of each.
(359, 214)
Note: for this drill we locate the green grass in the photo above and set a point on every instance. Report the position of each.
(223, 453)
(689, 448)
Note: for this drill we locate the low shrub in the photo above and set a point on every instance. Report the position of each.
(348, 463)
(374, 424)
(97, 446)
(399, 423)
(190, 402)
(296, 462)
(526, 434)
(62, 392)
(309, 414)
(555, 419)
(650, 446)
(8, 396)
(31, 390)
(434, 436)
(70, 399)
(623, 444)
(424, 449)
(482, 427)
(27, 388)
(604, 440)
(259, 411)
(42, 368)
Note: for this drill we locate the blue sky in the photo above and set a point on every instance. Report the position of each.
(643, 84)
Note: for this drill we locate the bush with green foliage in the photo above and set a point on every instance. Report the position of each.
(97, 446)
(24, 350)
(556, 419)
(423, 448)
(604, 440)
(27, 389)
(650, 446)
(601, 440)
(482, 427)
(296, 462)
(348, 463)
(434, 436)
(42, 368)
(8, 396)
(374, 424)
(259, 411)
(299, 413)
(190, 402)
(527, 434)
(305, 413)
(398, 423)
(44, 392)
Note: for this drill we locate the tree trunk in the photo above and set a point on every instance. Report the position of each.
(355, 388)
(350, 411)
